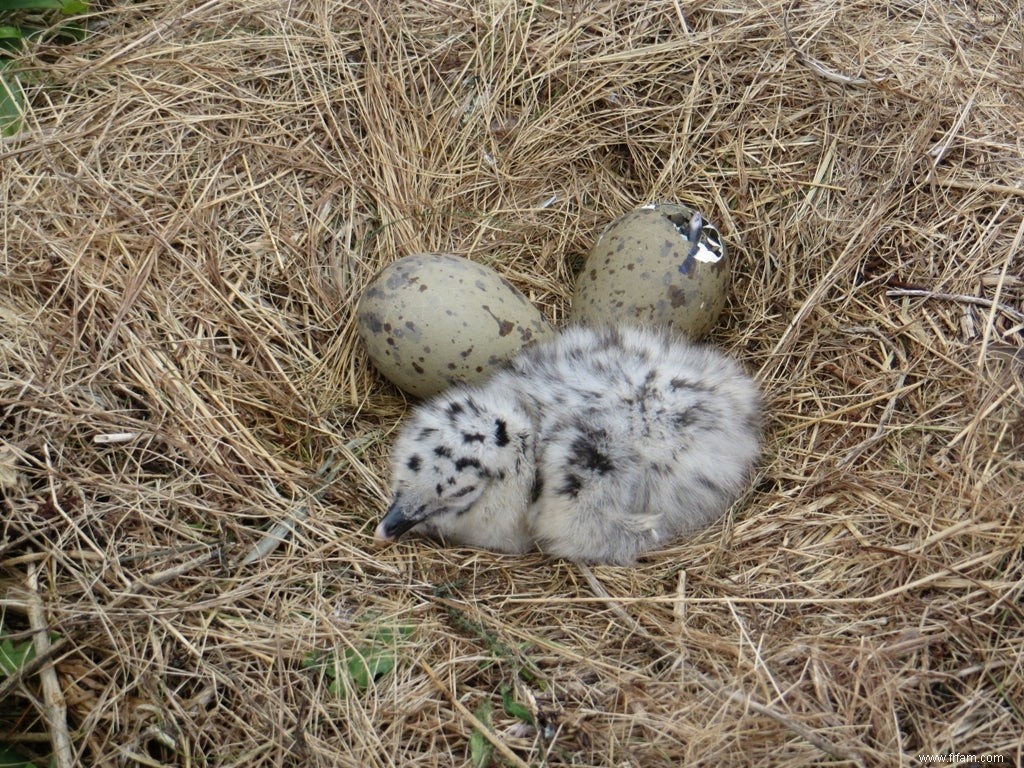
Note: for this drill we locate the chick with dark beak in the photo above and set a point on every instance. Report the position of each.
(394, 524)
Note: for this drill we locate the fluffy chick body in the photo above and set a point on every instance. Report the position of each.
(598, 445)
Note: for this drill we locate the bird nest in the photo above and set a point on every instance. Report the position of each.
(194, 445)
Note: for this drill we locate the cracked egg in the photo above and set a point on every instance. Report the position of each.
(661, 266)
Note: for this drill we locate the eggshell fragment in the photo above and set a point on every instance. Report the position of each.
(432, 319)
(644, 269)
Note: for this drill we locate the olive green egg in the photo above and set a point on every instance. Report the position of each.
(661, 265)
(433, 319)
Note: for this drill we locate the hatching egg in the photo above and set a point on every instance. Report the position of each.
(661, 265)
(433, 319)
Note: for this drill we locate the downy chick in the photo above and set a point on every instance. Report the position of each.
(598, 445)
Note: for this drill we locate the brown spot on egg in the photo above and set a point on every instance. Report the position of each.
(372, 322)
(504, 326)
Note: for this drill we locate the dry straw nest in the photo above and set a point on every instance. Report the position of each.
(199, 194)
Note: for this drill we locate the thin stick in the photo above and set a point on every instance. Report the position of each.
(980, 186)
(327, 474)
(497, 743)
(958, 297)
(166, 575)
(819, 68)
(55, 711)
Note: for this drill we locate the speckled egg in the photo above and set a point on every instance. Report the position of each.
(661, 265)
(433, 319)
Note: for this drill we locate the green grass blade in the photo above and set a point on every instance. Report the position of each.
(9, 758)
(10, 33)
(513, 707)
(12, 101)
(67, 7)
(480, 749)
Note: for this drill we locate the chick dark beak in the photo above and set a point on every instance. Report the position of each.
(695, 229)
(394, 524)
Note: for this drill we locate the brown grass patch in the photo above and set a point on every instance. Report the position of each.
(200, 194)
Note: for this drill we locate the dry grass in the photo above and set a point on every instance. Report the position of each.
(202, 190)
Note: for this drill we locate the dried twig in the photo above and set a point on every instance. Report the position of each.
(819, 68)
(464, 712)
(327, 475)
(54, 707)
(978, 301)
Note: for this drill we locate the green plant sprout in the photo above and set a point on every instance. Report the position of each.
(18, 24)
(14, 656)
(355, 669)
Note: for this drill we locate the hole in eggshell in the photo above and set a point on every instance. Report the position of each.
(680, 221)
